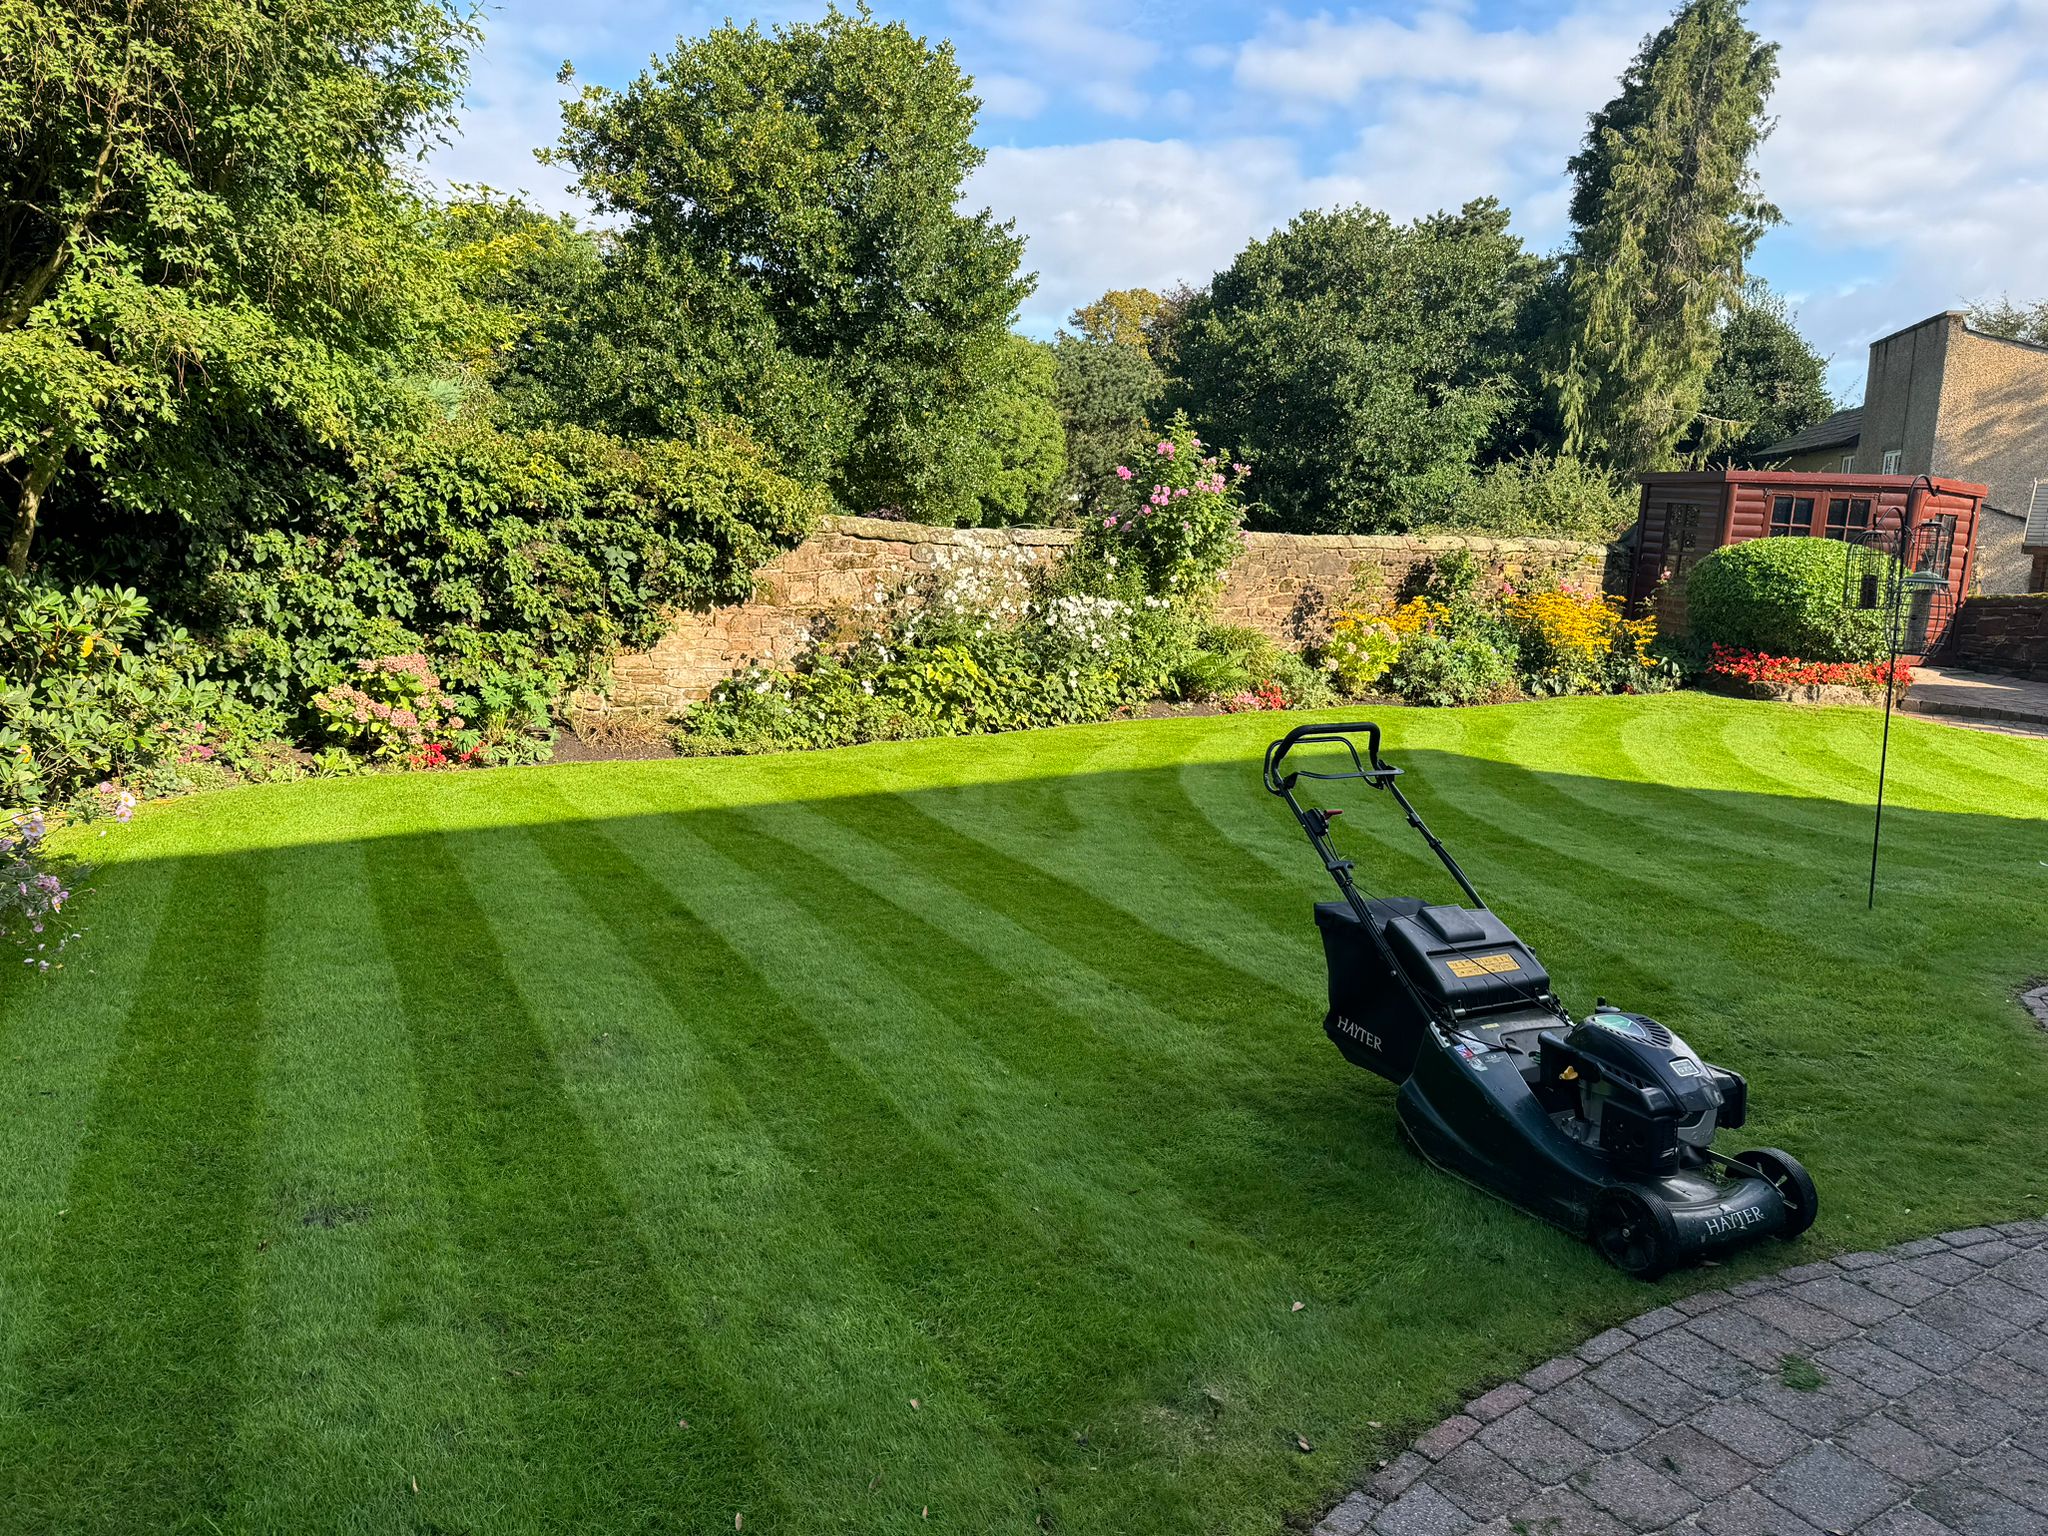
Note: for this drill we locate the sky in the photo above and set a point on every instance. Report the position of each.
(1140, 144)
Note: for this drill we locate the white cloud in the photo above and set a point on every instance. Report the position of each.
(514, 108)
(1066, 44)
(1141, 212)
(1009, 95)
(1909, 139)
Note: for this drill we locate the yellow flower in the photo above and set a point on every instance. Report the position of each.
(85, 645)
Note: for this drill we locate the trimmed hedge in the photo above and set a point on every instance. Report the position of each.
(1790, 597)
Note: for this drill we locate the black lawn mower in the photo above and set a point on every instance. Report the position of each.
(1603, 1126)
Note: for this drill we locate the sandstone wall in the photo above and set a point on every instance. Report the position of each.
(2001, 634)
(1286, 585)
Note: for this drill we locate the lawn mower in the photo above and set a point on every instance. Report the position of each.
(1603, 1125)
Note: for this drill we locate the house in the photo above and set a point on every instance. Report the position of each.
(1942, 399)
(1686, 514)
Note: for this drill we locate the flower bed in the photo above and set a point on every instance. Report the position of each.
(1789, 679)
(1755, 667)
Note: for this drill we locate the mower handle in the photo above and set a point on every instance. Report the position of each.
(1338, 731)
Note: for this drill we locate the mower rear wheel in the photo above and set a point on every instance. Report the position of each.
(1633, 1230)
(1783, 1172)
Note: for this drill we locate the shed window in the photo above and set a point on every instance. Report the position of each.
(1848, 463)
(1847, 516)
(1791, 516)
(1891, 460)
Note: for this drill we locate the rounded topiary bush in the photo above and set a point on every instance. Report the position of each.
(1786, 597)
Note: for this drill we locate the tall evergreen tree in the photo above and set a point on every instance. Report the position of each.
(1666, 211)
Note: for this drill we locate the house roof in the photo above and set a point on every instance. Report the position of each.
(1838, 431)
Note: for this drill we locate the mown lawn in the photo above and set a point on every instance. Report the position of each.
(824, 1140)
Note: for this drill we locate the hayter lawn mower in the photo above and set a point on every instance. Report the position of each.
(1603, 1126)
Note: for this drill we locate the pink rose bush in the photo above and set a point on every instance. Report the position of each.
(1177, 534)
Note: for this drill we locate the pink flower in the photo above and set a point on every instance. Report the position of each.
(1122, 473)
(1165, 448)
(1109, 522)
(1237, 468)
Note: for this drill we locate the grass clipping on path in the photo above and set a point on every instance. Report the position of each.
(933, 1136)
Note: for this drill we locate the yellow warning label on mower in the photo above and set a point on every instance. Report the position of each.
(1484, 965)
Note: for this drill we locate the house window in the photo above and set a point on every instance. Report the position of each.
(1848, 463)
(1847, 516)
(1891, 460)
(1791, 517)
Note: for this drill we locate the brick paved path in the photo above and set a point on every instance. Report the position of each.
(1902, 1393)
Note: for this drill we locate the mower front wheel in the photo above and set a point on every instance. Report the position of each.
(1783, 1172)
(1633, 1230)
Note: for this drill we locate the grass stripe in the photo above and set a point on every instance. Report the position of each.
(598, 1365)
(1112, 939)
(57, 1035)
(829, 1358)
(363, 1383)
(124, 1418)
(979, 1275)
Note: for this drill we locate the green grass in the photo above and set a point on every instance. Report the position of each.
(626, 1147)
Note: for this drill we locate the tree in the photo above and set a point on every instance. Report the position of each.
(206, 257)
(1109, 393)
(1010, 451)
(1666, 211)
(2015, 322)
(787, 202)
(1766, 382)
(1123, 315)
(1358, 365)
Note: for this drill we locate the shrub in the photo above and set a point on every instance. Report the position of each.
(87, 699)
(1786, 597)
(1541, 496)
(516, 562)
(1443, 670)
(1171, 527)
(1225, 662)
(1358, 653)
(1579, 642)
(32, 892)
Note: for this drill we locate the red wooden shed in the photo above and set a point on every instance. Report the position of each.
(1684, 515)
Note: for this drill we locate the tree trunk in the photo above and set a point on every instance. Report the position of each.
(41, 472)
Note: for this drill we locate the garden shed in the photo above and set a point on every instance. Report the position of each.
(1684, 515)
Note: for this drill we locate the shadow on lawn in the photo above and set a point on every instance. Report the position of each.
(1014, 1089)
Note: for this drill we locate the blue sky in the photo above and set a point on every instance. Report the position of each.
(1139, 143)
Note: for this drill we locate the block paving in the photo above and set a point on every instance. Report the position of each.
(1916, 1404)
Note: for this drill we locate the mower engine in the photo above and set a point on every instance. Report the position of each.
(1625, 1085)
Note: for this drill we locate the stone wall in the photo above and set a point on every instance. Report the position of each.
(1286, 585)
(2001, 634)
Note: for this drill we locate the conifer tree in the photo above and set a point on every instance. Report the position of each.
(1666, 211)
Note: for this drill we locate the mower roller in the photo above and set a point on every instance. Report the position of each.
(1603, 1126)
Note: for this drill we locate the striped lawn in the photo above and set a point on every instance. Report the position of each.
(923, 1137)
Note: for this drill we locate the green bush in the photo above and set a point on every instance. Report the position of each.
(1452, 669)
(1225, 660)
(84, 699)
(1787, 597)
(517, 563)
(1541, 496)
